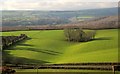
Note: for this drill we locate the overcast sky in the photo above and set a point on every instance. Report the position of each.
(56, 4)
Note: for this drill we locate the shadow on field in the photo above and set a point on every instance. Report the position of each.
(50, 52)
(103, 38)
(100, 38)
(10, 59)
(95, 39)
(21, 43)
(53, 51)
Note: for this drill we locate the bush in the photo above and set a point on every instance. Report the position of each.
(78, 35)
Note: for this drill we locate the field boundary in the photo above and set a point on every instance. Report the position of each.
(78, 66)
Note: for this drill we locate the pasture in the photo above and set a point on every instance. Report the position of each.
(50, 46)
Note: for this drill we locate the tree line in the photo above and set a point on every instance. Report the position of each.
(9, 40)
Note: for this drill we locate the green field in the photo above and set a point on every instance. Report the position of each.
(50, 46)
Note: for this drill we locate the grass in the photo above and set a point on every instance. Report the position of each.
(50, 46)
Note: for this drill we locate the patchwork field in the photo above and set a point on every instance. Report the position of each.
(50, 46)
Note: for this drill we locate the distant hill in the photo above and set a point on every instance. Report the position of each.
(107, 22)
(29, 18)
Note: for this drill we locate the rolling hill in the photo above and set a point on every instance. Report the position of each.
(50, 46)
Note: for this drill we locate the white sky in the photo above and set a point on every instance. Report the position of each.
(56, 4)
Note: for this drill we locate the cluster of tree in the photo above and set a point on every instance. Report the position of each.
(9, 40)
(78, 35)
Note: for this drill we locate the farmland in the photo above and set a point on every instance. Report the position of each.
(50, 46)
(33, 18)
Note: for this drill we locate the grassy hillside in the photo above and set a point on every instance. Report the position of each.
(51, 47)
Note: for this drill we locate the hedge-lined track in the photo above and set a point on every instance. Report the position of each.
(79, 66)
